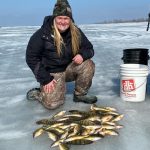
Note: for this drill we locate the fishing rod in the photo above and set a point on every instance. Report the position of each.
(148, 22)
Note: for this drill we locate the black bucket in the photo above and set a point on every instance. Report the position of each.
(135, 56)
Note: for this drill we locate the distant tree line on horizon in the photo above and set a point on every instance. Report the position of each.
(124, 21)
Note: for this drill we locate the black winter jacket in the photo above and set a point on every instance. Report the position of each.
(41, 54)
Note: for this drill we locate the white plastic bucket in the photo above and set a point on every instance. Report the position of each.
(133, 82)
(132, 67)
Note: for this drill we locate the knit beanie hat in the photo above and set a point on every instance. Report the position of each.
(62, 8)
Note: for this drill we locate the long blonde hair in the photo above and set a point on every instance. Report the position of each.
(75, 39)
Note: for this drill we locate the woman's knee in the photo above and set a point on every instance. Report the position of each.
(90, 63)
(51, 102)
(53, 105)
(89, 66)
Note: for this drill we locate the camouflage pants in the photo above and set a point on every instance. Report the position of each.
(81, 74)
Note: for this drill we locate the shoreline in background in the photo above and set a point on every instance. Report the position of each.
(123, 21)
(102, 22)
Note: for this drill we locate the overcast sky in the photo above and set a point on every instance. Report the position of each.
(32, 12)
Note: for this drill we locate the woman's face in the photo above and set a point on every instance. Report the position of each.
(62, 23)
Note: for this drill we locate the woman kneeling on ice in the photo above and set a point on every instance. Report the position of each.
(59, 52)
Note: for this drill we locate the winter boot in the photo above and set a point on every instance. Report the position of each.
(33, 94)
(85, 99)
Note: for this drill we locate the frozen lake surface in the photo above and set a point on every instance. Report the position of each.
(18, 116)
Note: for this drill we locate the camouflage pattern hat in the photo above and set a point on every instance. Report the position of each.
(62, 8)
